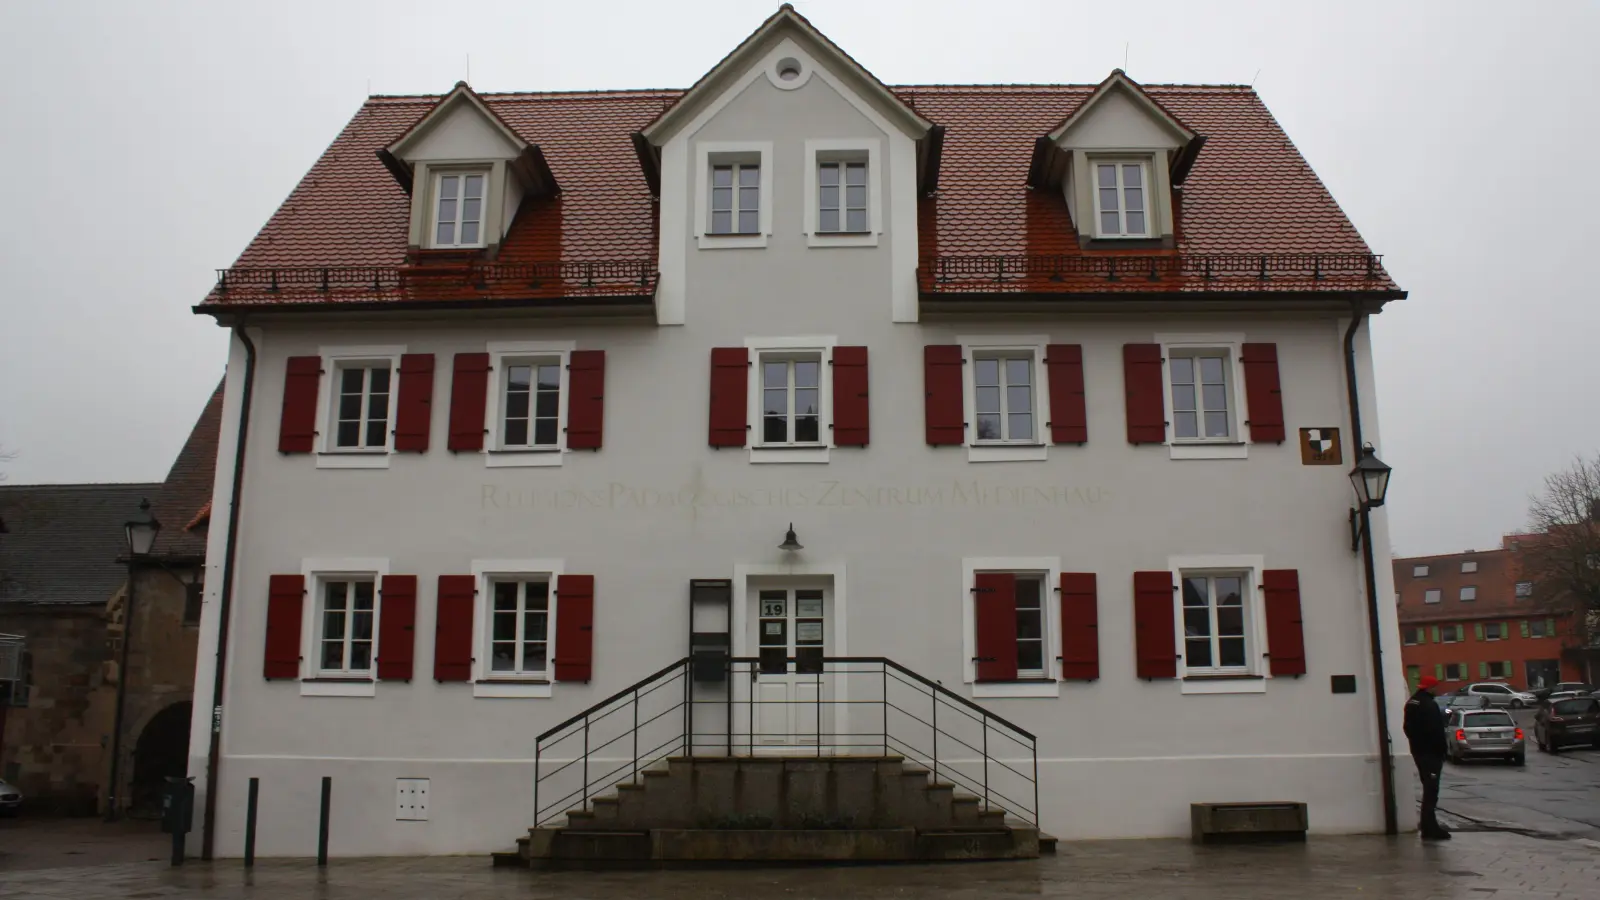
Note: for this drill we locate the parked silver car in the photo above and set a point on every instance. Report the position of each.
(1484, 733)
(10, 797)
(1501, 694)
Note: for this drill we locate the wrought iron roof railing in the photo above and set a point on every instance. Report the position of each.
(610, 276)
(967, 273)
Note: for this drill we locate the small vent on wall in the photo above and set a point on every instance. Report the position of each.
(411, 799)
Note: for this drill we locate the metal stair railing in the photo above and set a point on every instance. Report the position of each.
(858, 704)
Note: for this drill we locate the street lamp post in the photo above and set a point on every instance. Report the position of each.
(141, 531)
(1370, 478)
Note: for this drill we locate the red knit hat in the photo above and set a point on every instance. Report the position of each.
(1426, 682)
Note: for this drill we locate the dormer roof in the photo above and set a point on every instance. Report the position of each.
(1044, 169)
(525, 156)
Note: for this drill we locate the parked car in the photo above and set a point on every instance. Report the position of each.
(1578, 686)
(1480, 733)
(1560, 695)
(1461, 700)
(1501, 694)
(10, 798)
(1574, 720)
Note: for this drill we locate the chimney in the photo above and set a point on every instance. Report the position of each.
(1594, 509)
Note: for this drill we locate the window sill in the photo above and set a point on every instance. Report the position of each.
(1006, 452)
(511, 688)
(513, 459)
(353, 459)
(338, 687)
(1223, 684)
(1045, 687)
(817, 454)
(730, 241)
(843, 239)
(1205, 450)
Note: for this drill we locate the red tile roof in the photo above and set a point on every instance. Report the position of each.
(1249, 192)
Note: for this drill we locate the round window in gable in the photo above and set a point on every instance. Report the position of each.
(788, 69)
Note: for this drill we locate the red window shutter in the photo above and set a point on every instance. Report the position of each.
(574, 627)
(1263, 392)
(1069, 416)
(850, 419)
(397, 619)
(469, 397)
(586, 399)
(730, 384)
(1155, 633)
(1147, 402)
(1286, 642)
(994, 597)
(297, 430)
(414, 411)
(452, 635)
(1080, 626)
(285, 596)
(944, 406)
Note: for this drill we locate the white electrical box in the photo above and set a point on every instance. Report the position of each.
(411, 799)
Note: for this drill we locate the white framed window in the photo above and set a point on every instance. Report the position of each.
(514, 627)
(519, 626)
(1498, 669)
(791, 398)
(1006, 397)
(1469, 592)
(365, 405)
(1419, 571)
(1524, 589)
(844, 206)
(1221, 633)
(339, 626)
(527, 403)
(1494, 631)
(1451, 634)
(733, 202)
(1412, 636)
(1431, 595)
(1204, 387)
(1455, 671)
(357, 405)
(1038, 631)
(1469, 567)
(1539, 628)
(459, 198)
(1121, 198)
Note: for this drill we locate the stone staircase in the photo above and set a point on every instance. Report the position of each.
(778, 810)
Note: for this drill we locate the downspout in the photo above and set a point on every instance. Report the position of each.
(224, 607)
(1391, 823)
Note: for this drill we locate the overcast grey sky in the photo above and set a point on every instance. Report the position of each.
(145, 143)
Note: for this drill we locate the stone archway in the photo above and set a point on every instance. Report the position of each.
(162, 750)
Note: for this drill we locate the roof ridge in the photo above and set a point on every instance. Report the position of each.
(81, 485)
(631, 92)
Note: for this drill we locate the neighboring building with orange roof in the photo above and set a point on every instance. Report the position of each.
(532, 375)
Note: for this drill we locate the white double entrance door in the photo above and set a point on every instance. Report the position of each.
(790, 630)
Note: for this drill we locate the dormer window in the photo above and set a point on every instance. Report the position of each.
(1121, 198)
(458, 209)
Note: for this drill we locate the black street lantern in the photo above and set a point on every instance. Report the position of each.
(1371, 479)
(142, 530)
(790, 542)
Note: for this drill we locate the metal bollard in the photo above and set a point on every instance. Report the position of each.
(250, 823)
(322, 827)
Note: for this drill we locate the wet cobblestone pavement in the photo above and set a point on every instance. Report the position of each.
(1477, 865)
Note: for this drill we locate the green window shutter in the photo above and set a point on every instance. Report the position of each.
(1436, 634)
(1478, 630)
(1438, 671)
(1483, 669)
(1507, 664)
(1524, 627)
(1549, 627)
(1412, 674)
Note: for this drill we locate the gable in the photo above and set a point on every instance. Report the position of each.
(461, 131)
(1118, 120)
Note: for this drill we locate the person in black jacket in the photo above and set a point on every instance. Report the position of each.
(1424, 727)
